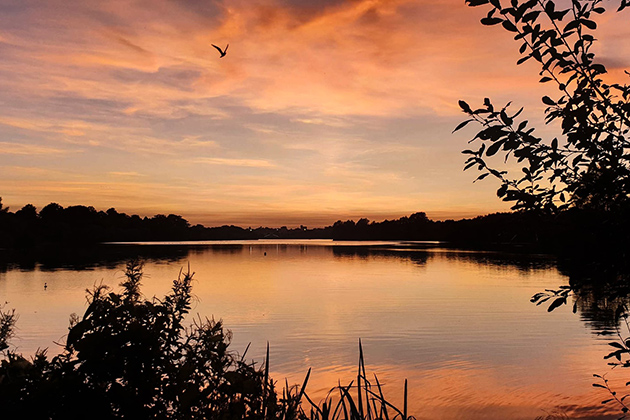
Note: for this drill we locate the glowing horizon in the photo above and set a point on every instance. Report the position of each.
(318, 112)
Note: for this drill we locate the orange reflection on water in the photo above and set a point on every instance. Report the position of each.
(458, 325)
(462, 391)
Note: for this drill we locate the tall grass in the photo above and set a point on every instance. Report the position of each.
(359, 400)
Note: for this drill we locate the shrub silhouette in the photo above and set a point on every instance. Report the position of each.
(130, 357)
(133, 358)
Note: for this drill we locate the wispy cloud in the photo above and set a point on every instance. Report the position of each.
(127, 174)
(250, 163)
(349, 104)
(7, 148)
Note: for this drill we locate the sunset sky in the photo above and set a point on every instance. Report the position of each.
(321, 110)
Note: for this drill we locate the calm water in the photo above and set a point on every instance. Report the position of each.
(458, 325)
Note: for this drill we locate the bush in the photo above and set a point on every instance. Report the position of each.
(130, 357)
(133, 358)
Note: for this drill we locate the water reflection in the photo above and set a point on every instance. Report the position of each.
(457, 324)
(91, 257)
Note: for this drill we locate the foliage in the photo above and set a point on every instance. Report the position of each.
(369, 402)
(589, 167)
(134, 358)
(30, 230)
(3, 209)
(7, 326)
(600, 290)
(618, 357)
(53, 224)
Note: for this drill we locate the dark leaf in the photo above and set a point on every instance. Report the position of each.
(531, 16)
(570, 26)
(464, 106)
(482, 176)
(509, 26)
(494, 148)
(470, 165)
(462, 125)
(550, 7)
(505, 119)
(489, 21)
(558, 302)
(473, 3)
(617, 345)
(560, 14)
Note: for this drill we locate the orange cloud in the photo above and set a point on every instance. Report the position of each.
(7, 148)
(253, 163)
(352, 103)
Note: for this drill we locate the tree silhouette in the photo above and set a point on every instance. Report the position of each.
(589, 166)
(28, 212)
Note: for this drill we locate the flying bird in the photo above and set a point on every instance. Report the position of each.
(223, 52)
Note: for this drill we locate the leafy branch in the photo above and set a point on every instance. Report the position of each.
(590, 166)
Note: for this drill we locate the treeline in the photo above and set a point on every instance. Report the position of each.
(497, 227)
(55, 224)
(573, 230)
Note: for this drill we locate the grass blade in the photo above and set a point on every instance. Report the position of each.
(380, 391)
(405, 404)
(266, 383)
(304, 385)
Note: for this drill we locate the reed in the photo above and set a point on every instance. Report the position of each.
(363, 401)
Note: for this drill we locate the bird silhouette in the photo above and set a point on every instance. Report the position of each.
(223, 52)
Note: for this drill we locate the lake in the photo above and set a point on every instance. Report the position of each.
(459, 325)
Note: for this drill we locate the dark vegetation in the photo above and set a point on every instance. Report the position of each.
(583, 173)
(571, 229)
(573, 191)
(129, 357)
(588, 167)
(54, 224)
(577, 184)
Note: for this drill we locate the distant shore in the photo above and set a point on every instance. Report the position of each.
(28, 229)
